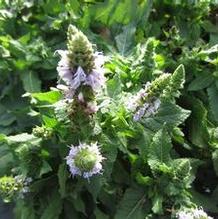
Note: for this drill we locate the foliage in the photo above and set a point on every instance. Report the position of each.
(153, 167)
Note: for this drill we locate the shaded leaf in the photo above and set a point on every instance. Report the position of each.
(125, 39)
(54, 208)
(31, 82)
(62, 178)
(213, 100)
(132, 205)
(200, 82)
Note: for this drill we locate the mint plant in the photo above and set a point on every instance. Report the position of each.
(126, 126)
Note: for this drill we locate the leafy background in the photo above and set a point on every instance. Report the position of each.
(143, 38)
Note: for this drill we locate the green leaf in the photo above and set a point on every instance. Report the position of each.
(200, 82)
(159, 151)
(182, 168)
(177, 81)
(94, 185)
(99, 214)
(6, 117)
(6, 160)
(2, 137)
(124, 40)
(21, 138)
(49, 121)
(114, 11)
(144, 180)
(45, 168)
(70, 212)
(215, 161)
(109, 148)
(54, 207)
(79, 204)
(207, 202)
(62, 178)
(198, 131)
(114, 86)
(213, 100)
(157, 204)
(23, 211)
(169, 114)
(49, 97)
(132, 205)
(31, 82)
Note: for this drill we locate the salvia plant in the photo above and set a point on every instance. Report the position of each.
(126, 127)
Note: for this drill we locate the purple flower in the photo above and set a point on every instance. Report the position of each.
(195, 213)
(137, 99)
(91, 107)
(147, 109)
(63, 68)
(85, 160)
(95, 79)
(67, 91)
(77, 77)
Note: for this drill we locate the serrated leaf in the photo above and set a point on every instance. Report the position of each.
(31, 82)
(124, 40)
(200, 82)
(132, 205)
(169, 114)
(159, 151)
(177, 81)
(182, 168)
(198, 132)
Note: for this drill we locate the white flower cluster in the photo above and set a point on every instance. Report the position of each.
(135, 101)
(76, 77)
(24, 183)
(85, 160)
(147, 110)
(195, 213)
(143, 109)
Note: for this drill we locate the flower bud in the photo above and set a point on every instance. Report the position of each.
(80, 50)
(8, 188)
(42, 132)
